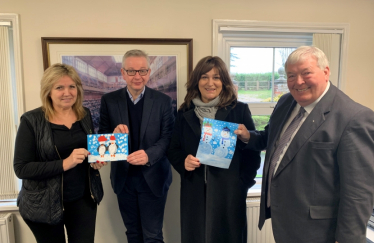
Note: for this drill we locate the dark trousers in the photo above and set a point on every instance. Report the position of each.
(79, 220)
(142, 212)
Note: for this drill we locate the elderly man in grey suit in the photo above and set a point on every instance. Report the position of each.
(318, 179)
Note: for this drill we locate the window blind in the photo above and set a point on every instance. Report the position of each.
(8, 180)
(330, 45)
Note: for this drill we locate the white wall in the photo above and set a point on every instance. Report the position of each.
(177, 19)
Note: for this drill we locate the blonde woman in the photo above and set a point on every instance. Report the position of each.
(59, 188)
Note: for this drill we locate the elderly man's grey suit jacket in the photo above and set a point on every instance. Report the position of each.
(323, 188)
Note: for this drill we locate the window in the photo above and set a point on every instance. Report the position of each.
(11, 102)
(256, 51)
(259, 73)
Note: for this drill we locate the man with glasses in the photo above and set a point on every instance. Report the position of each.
(142, 182)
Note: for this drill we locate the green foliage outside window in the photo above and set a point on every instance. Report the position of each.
(276, 98)
(239, 77)
(260, 122)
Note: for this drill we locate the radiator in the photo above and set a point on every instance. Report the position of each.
(254, 234)
(6, 228)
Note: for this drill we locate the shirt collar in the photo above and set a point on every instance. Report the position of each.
(137, 99)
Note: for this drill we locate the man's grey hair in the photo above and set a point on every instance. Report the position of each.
(306, 51)
(135, 53)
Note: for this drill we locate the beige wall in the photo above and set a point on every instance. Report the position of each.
(179, 19)
(187, 19)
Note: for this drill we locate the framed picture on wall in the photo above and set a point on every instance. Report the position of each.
(98, 62)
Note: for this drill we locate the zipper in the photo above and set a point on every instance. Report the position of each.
(205, 206)
(62, 191)
(89, 175)
(205, 174)
(89, 184)
(62, 183)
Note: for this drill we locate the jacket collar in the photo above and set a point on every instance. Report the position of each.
(314, 120)
(147, 109)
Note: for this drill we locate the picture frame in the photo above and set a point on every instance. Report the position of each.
(99, 60)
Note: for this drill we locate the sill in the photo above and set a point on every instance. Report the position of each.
(370, 233)
(8, 206)
(254, 193)
(255, 190)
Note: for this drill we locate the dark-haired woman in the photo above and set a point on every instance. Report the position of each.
(213, 200)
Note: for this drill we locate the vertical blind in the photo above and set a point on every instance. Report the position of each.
(330, 45)
(8, 181)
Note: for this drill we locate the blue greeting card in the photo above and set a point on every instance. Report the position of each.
(107, 147)
(217, 143)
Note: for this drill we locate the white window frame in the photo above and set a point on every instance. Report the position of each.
(224, 38)
(13, 20)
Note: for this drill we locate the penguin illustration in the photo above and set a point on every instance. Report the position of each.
(102, 148)
(112, 146)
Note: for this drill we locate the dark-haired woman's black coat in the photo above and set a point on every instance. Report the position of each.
(213, 211)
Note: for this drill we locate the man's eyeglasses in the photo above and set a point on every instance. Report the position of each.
(141, 72)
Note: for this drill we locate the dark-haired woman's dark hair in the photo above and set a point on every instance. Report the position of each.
(228, 93)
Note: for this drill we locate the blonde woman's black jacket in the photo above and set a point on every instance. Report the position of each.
(40, 199)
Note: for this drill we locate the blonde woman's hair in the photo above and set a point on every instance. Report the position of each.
(50, 77)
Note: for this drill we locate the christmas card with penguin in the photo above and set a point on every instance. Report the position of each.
(107, 147)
